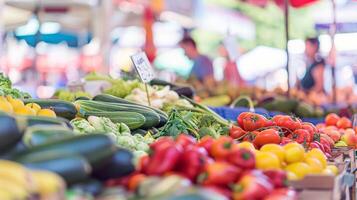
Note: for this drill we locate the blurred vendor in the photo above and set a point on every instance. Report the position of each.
(202, 74)
(313, 80)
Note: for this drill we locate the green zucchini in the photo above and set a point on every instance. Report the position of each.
(62, 108)
(95, 148)
(131, 119)
(152, 119)
(40, 134)
(114, 99)
(73, 168)
(11, 131)
(39, 120)
(121, 164)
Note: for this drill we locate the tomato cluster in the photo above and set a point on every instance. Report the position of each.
(280, 129)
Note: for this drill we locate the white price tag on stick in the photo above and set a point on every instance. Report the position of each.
(143, 67)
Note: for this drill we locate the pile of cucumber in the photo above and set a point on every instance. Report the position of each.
(119, 110)
(50, 144)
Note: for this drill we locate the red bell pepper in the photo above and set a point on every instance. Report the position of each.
(185, 140)
(206, 142)
(163, 159)
(219, 173)
(192, 162)
(162, 142)
(221, 147)
(236, 132)
(277, 177)
(253, 186)
(282, 194)
(242, 158)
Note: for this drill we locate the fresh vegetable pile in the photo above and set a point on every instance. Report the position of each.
(280, 129)
(218, 164)
(6, 88)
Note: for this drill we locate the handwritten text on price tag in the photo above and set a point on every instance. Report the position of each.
(143, 67)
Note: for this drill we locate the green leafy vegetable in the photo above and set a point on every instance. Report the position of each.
(82, 126)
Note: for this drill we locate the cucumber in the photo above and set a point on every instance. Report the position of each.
(10, 131)
(114, 99)
(73, 168)
(40, 134)
(120, 165)
(62, 108)
(131, 119)
(39, 120)
(152, 119)
(95, 148)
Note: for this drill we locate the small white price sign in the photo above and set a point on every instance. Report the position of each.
(143, 67)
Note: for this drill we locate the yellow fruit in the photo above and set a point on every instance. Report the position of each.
(333, 168)
(291, 176)
(46, 113)
(16, 103)
(9, 98)
(294, 154)
(293, 144)
(6, 107)
(328, 171)
(300, 169)
(17, 191)
(24, 110)
(267, 160)
(48, 183)
(16, 173)
(5, 194)
(2, 98)
(275, 149)
(315, 165)
(34, 106)
(318, 154)
(246, 145)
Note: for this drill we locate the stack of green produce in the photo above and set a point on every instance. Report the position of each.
(120, 132)
(6, 88)
(67, 95)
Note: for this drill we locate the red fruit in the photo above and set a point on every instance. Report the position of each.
(268, 136)
(344, 123)
(287, 122)
(236, 132)
(301, 136)
(253, 122)
(331, 119)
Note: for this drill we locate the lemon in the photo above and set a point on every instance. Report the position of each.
(291, 176)
(9, 98)
(16, 103)
(318, 154)
(315, 165)
(6, 107)
(2, 98)
(275, 149)
(333, 168)
(34, 106)
(46, 113)
(25, 111)
(300, 169)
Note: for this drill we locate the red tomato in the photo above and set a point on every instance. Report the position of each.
(310, 128)
(236, 132)
(241, 117)
(301, 136)
(267, 136)
(344, 123)
(331, 119)
(253, 122)
(135, 180)
(287, 122)
(285, 140)
(250, 136)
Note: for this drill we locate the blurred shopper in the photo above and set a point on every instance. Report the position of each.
(313, 80)
(202, 75)
(230, 72)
